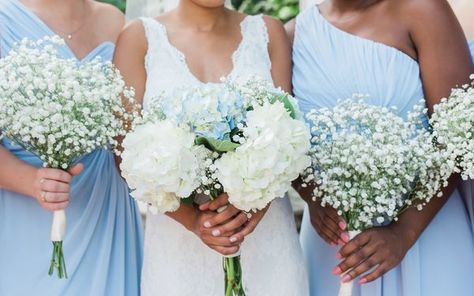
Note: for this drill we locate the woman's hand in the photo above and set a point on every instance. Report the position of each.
(220, 242)
(372, 253)
(325, 220)
(52, 187)
(242, 224)
(328, 224)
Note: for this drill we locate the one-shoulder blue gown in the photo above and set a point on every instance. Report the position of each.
(467, 187)
(103, 243)
(331, 64)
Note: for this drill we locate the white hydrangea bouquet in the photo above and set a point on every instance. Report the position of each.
(244, 140)
(453, 128)
(370, 164)
(60, 110)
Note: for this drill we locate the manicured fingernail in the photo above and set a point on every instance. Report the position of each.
(342, 225)
(341, 242)
(346, 278)
(345, 237)
(233, 239)
(338, 256)
(337, 271)
(333, 244)
(207, 224)
(363, 281)
(216, 232)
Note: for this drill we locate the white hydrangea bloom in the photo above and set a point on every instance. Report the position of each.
(161, 163)
(275, 152)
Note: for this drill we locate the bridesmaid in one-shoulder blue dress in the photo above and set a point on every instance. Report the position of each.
(103, 243)
(467, 187)
(331, 64)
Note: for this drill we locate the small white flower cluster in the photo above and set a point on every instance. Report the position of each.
(369, 164)
(60, 109)
(274, 154)
(453, 128)
(250, 148)
(161, 164)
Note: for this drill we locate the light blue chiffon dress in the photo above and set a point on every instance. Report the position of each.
(331, 64)
(467, 187)
(103, 243)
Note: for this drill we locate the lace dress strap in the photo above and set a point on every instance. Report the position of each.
(253, 52)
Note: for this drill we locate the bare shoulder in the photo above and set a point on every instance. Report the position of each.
(290, 28)
(274, 26)
(416, 11)
(133, 34)
(276, 32)
(109, 18)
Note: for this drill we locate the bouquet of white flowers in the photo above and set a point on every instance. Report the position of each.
(241, 139)
(369, 164)
(60, 110)
(453, 128)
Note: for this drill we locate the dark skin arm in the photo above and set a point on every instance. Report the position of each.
(325, 220)
(444, 62)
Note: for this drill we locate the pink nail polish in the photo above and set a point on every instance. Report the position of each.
(207, 224)
(333, 244)
(337, 270)
(363, 281)
(216, 232)
(342, 225)
(345, 237)
(233, 239)
(338, 256)
(346, 278)
(341, 242)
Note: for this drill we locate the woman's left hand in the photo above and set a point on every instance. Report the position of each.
(253, 219)
(372, 253)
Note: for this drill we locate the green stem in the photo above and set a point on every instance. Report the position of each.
(57, 261)
(233, 277)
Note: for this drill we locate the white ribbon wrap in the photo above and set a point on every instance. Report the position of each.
(346, 288)
(58, 229)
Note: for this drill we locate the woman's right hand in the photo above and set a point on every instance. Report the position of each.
(52, 187)
(328, 224)
(223, 243)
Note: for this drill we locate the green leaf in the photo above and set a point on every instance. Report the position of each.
(219, 146)
(284, 98)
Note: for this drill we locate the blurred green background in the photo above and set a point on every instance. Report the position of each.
(282, 9)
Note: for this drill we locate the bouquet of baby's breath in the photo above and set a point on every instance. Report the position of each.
(59, 110)
(453, 128)
(370, 164)
(245, 140)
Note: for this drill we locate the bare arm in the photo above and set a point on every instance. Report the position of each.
(280, 54)
(445, 63)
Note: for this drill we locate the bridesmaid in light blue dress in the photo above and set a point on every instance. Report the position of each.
(467, 187)
(332, 64)
(103, 243)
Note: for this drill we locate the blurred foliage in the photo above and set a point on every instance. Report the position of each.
(120, 4)
(281, 9)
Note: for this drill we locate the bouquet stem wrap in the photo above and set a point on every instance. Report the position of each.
(346, 288)
(58, 229)
(232, 270)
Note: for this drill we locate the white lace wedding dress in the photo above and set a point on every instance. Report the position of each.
(176, 262)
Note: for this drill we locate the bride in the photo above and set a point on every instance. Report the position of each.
(200, 42)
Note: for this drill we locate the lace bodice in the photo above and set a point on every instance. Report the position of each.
(167, 68)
